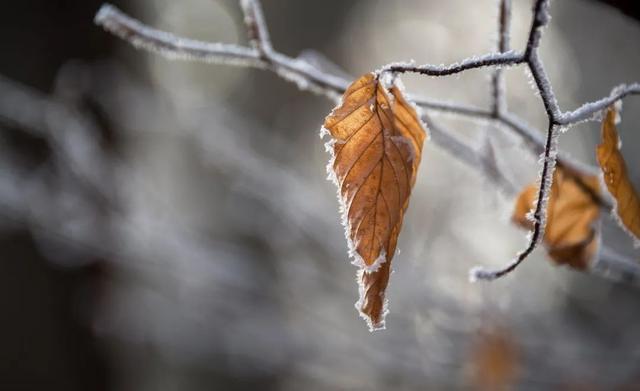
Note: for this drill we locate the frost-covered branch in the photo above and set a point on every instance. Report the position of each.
(262, 55)
(587, 110)
(144, 37)
(257, 31)
(454, 108)
(172, 46)
(309, 77)
(505, 59)
(539, 214)
(540, 19)
(499, 103)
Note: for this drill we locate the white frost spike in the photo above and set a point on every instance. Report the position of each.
(530, 216)
(324, 132)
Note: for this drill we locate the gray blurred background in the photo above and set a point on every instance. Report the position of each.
(167, 225)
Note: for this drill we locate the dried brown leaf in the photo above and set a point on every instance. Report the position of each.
(616, 177)
(570, 235)
(376, 147)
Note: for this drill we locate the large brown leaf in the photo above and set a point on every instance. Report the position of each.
(376, 147)
(616, 178)
(572, 212)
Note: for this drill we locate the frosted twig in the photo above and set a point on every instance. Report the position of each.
(499, 103)
(541, 79)
(540, 19)
(306, 76)
(257, 31)
(452, 108)
(175, 47)
(509, 58)
(167, 44)
(539, 214)
(587, 110)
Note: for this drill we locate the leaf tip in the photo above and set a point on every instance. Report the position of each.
(374, 324)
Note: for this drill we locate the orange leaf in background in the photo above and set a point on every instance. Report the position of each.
(376, 147)
(616, 178)
(570, 236)
(494, 360)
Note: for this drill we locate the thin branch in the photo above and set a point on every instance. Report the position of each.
(175, 47)
(257, 31)
(448, 107)
(509, 58)
(499, 103)
(541, 79)
(587, 110)
(144, 37)
(540, 19)
(504, 23)
(539, 214)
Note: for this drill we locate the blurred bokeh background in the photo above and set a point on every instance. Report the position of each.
(167, 225)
